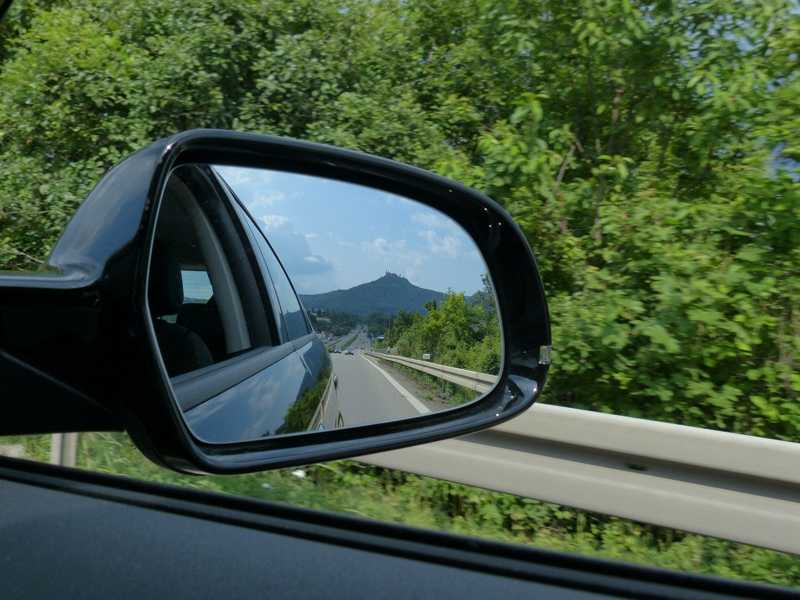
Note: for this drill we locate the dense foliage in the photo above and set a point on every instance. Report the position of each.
(459, 331)
(378, 323)
(646, 148)
(642, 146)
(453, 332)
(331, 322)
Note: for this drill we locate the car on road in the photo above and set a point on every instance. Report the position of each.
(348, 352)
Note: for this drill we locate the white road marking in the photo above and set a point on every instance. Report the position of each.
(419, 406)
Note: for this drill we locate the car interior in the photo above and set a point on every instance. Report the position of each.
(191, 239)
(182, 349)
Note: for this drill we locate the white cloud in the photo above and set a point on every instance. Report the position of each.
(431, 220)
(446, 245)
(413, 267)
(240, 176)
(383, 246)
(258, 202)
(311, 236)
(273, 222)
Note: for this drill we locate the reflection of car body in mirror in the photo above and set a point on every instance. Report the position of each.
(243, 360)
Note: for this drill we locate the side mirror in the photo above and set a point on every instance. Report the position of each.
(240, 302)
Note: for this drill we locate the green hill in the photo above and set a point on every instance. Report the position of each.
(387, 295)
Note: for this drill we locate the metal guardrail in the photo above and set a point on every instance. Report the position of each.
(479, 382)
(726, 485)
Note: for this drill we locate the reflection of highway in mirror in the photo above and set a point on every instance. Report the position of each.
(367, 393)
(397, 293)
(373, 388)
(425, 351)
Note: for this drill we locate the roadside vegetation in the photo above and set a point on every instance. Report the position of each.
(438, 392)
(647, 149)
(333, 323)
(453, 332)
(459, 332)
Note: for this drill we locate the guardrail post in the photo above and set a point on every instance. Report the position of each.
(63, 449)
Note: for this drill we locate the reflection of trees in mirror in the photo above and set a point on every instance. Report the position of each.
(460, 331)
(301, 415)
(333, 322)
(377, 324)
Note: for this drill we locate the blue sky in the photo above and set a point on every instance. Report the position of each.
(333, 235)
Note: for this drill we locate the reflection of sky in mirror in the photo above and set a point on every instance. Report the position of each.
(335, 235)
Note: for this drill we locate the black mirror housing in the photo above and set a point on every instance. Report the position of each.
(81, 335)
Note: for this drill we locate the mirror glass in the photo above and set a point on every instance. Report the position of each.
(284, 303)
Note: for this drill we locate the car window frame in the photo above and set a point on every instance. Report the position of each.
(277, 308)
(225, 283)
(256, 236)
(260, 234)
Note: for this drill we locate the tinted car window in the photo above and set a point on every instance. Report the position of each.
(197, 286)
(296, 325)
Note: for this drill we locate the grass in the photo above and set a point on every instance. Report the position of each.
(433, 388)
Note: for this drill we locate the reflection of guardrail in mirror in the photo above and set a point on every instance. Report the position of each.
(479, 382)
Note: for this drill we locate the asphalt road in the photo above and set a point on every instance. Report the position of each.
(361, 342)
(366, 396)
